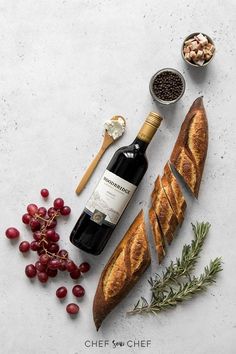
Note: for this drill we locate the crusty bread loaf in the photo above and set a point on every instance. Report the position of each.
(190, 149)
(174, 193)
(166, 217)
(124, 268)
(188, 157)
(157, 235)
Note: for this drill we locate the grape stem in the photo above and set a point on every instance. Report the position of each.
(47, 222)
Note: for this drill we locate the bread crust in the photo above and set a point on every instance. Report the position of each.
(157, 235)
(166, 217)
(124, 268)
(190, 150)
(174, 193)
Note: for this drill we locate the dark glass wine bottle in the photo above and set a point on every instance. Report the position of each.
(114, 191)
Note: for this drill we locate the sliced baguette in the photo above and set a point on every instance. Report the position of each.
(124, 268)
(190, 150)
(174, 193)
(171, 198)
(166, 217)
(157, 235)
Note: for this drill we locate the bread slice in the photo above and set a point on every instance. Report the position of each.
(171, 198)
(166, 217)
(174, 193)
(124, 268)
(190, 150)
(157, 235)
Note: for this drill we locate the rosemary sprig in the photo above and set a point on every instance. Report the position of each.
(182, 293)
(172, 288)
(184, 265)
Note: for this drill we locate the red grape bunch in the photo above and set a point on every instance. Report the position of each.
(42, 222)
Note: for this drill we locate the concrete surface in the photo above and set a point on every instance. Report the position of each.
(65, 67)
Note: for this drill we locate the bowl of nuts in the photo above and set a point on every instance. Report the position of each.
(198, 49)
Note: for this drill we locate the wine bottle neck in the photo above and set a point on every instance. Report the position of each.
(148, 130)
(142, 144)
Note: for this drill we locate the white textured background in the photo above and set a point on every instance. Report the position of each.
(65, 67)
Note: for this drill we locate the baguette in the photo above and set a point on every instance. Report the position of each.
(167, 219)
(124, 268)
(157, 235)
(190, 150)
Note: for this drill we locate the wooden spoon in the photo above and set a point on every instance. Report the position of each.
(107, 141)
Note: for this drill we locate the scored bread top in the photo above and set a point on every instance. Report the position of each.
(159, 242)
(115, 277)
(167, 219)
(171, 197)
(190, 150)
(179, 197)
(127, 263)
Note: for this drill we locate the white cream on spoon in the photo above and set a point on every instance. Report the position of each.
(115, 128)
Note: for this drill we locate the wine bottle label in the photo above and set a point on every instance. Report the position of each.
(109, 199)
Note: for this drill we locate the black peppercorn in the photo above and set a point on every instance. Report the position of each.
(167, 86)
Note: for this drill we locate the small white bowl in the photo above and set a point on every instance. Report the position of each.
(189, 62)
(156, 98)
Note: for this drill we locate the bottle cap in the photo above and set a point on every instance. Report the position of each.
(150, 127)
(154, 119)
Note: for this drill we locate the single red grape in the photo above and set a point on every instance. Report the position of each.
(37, 235)
(42, 277)
(26, 218)
(51, 212)
(75, 274)
(84, 267)
(30, 271)
(35, 225)
(32, 209)
(44, 258)
(40, 267)
(58, 203)
(24, 246)
(78, 291)
(12, 233)
(65, 210)
(55, 238)
(61, 292)
(34, 246)
(44, 193)
(72, 309)
(53, 247)
(50, 233)
(42, 211)
(62, 266)
(54, 264)
(70, 266)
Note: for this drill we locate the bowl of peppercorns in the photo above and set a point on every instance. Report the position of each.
(167, 86)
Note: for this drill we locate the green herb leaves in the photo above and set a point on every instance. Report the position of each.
(176, 284)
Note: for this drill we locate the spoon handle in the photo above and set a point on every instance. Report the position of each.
(90, 170)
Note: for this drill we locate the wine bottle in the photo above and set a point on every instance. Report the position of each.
(114, 191)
